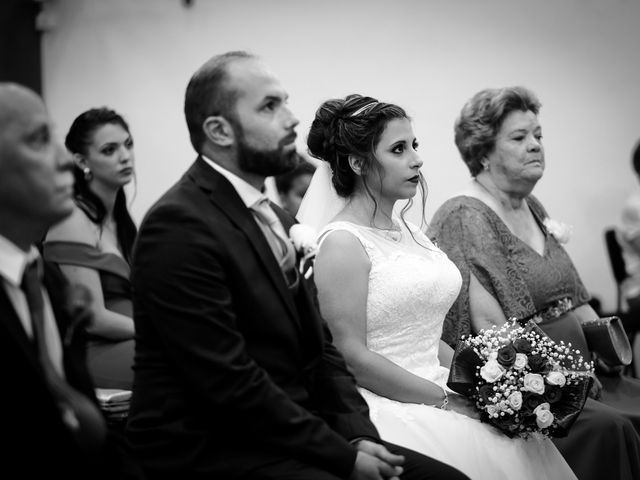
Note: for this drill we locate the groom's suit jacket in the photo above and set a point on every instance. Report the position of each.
(232, 370)
(37, 443)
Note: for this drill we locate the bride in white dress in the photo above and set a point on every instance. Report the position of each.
(385, 288)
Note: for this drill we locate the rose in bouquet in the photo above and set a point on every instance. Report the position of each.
(522, 382)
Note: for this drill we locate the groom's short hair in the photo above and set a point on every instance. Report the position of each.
(208, 94)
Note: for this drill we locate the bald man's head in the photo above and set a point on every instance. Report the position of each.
(36, 182)
(13, 98)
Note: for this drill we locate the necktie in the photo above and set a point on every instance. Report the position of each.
(78, 413)
(274, 232)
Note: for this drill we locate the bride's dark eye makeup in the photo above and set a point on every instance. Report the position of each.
(398, 148)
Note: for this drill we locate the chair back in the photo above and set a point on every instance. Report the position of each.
(616, 261)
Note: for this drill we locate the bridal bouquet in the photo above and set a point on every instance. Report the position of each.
(522, 381)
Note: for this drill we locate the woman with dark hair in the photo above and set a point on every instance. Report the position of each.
(93, 245)
(384, 289)
(513, 265)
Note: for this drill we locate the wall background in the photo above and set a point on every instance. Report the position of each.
(581, 57)
(18, 28)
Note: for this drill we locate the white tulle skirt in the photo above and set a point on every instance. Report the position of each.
(477, 449)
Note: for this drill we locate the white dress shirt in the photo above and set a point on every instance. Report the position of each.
(248, 193)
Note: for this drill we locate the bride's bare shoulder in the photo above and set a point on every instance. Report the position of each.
(341, 243)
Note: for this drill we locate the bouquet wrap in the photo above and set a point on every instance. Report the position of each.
(462, 375)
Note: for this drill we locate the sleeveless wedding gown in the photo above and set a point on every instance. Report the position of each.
(411, 288)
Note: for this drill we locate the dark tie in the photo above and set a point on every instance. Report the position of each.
(280, 245)
(78, 413)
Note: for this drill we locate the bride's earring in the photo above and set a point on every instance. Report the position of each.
(88, 174)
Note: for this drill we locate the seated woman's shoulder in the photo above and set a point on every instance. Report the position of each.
(344, 246)
(340, 238)
(77, 228)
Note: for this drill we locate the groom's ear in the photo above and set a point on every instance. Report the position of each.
(219, 131)
(356, 164)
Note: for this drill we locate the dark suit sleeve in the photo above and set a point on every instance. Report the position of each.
(117, 461)
(181, 283)
(337, 398)
(344, 408)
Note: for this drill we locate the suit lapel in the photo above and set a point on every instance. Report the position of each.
(12, 326)
(224, 196)
(309, 311)
(55, 284)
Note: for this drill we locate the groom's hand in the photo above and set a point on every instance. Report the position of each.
(375, 462)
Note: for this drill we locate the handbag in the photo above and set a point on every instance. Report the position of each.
(567, 327)
(606, 337)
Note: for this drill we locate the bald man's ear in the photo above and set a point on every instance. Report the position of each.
(219, 131)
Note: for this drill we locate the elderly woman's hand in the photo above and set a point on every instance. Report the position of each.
(596, 388)
(604, 368)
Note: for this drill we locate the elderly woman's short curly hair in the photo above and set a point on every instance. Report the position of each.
(481, 118)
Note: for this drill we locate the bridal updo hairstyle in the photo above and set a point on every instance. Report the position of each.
(477, 126)
(352, 126)
(77, 141)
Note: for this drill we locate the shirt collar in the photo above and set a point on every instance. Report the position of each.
(248, 193)
(14, 260)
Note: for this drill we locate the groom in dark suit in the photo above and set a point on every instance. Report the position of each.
(50, 419)
(235, 372)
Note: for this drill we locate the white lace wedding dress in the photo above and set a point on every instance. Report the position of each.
(411, 288)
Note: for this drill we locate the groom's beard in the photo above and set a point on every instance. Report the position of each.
(264, 162)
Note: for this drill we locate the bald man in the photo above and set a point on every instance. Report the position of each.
(51, 423)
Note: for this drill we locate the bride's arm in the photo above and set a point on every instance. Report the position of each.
(342, 278)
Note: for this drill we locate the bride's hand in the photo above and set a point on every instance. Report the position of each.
(463, 405)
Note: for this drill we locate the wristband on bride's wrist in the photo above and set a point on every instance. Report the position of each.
(445, 401)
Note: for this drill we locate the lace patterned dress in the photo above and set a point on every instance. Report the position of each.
(411, 288)
(602, 443)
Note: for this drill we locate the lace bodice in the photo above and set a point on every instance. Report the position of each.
(411, 288)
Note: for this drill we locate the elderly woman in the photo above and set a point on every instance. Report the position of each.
(512, 265)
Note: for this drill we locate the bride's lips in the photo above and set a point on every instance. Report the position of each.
(414, 179)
